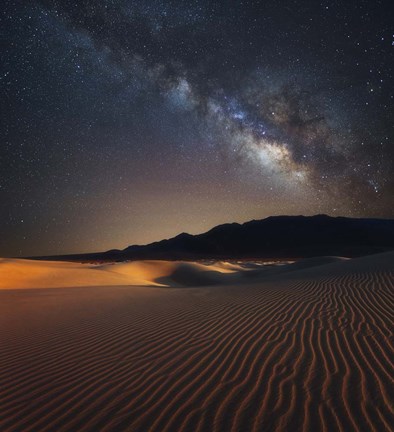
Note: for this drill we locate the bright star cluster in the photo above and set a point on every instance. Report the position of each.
(128, 121)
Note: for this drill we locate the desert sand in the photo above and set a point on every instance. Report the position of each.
(27, 274)
(172, 346)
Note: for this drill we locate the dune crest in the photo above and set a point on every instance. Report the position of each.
(26, 274)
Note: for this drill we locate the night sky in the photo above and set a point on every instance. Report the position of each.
(125, 122)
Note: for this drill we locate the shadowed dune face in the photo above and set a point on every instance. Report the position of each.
(306, 350)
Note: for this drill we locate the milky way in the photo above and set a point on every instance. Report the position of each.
(129, 121)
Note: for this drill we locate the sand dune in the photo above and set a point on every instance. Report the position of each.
(26, 274)
(305, 349)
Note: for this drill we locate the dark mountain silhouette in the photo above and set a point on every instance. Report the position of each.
(273, 237)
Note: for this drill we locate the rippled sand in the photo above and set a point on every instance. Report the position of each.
(290, 349)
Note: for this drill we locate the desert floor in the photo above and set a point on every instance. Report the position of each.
(164, 346)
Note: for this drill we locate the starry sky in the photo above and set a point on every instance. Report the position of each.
(129, 121)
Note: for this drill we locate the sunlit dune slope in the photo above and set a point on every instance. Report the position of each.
(19, 273)
(25, 274)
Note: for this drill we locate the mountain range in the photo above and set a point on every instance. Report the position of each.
(275, 237)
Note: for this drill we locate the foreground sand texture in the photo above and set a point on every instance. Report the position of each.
(305, 349)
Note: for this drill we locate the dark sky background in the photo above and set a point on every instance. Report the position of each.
(126, 121)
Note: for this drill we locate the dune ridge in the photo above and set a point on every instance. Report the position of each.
(306, 350)
(27, 274)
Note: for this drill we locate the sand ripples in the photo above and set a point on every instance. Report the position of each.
(293, 354)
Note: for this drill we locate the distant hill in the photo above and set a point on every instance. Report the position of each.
(273, 237)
